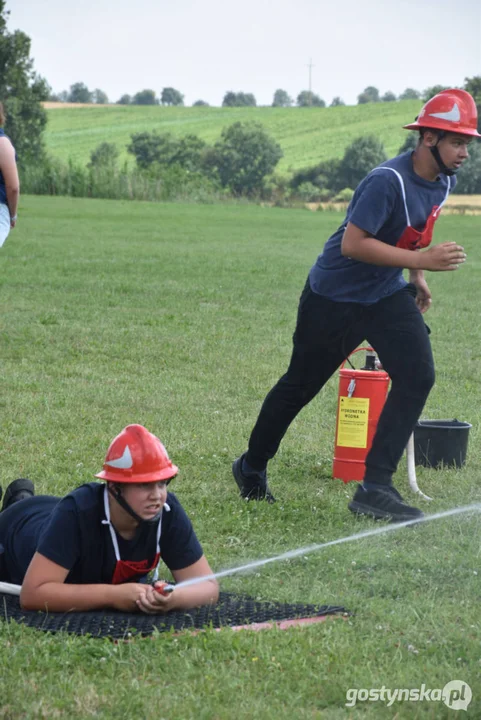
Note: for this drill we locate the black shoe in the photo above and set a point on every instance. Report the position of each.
(383, 504)
(252, 486)
(20, 489)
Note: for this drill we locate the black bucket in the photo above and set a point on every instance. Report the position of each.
(441, 443)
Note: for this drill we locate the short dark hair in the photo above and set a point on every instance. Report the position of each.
(2, 115)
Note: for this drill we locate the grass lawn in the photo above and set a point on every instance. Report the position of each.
(306, 135)
(180, 317)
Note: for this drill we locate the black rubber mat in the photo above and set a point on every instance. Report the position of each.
(230, 611)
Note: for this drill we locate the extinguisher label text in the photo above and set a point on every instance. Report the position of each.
(353, 422)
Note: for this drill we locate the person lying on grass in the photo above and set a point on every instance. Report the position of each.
(95, 547)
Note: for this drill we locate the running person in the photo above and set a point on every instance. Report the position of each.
(95, 547)
(356, 290)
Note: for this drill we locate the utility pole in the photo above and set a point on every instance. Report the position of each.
(310, 66)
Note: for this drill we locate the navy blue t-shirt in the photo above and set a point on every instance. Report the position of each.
(378, 208)
(69, 531)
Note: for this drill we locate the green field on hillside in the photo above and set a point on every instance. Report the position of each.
(306, 135)
(180, 317)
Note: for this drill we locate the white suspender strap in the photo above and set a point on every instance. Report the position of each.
(155, 576)
(401, 182)
(107, 522)
(112, 531)
(447, 194)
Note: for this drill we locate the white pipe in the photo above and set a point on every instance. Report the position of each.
(10, 588)
(413, 483)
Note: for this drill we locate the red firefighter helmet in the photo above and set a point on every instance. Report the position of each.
(137, 456)
(450, 110)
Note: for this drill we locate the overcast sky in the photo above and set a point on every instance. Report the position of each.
(205, 48)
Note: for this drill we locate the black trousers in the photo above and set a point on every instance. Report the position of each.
(326, 333)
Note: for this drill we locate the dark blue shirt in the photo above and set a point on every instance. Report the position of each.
(69, 531)
(378, 208)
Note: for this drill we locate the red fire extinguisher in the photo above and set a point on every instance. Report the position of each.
(362, 394)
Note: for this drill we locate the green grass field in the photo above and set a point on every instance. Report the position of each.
(180, 317)
(306, 135)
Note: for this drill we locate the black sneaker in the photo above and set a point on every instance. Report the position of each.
(20, 489)
(383, 504)
(252, 486)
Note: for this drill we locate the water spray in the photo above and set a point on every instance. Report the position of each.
(11, 589)
(339, 541)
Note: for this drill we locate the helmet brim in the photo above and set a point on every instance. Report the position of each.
(465, 131)
(123, 477)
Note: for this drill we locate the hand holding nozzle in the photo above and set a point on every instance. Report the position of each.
(163, 588)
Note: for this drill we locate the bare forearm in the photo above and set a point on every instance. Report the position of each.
(63, 597)
(359, 245)
(416, 276)
(374, 252)
(205, 593)
(13, 194)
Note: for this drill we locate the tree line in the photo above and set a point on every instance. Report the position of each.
(80, 93)
(169, 96)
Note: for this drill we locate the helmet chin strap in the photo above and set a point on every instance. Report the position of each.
(116, 493)
(437, 156)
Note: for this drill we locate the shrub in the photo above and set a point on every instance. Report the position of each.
(325, 194)
(243, 157)
(323, 175)
(275, 188)
(344, 195)
(307, 192)
(105, 155)
(152, 147)
(164, 149)
(360, 158)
